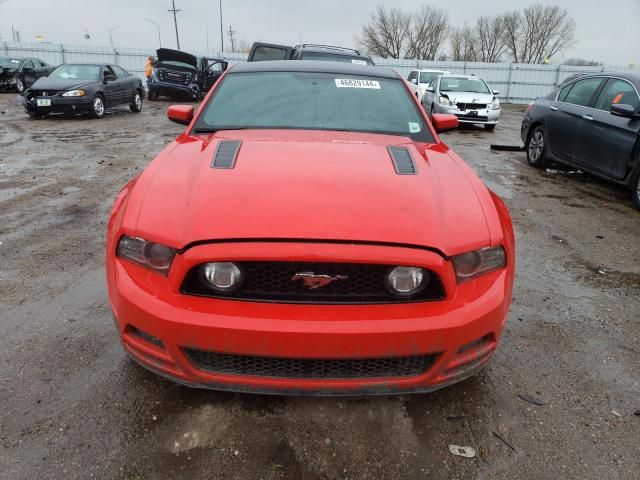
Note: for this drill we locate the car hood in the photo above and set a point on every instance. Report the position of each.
(46, 83)
(316, 185)
(469, 97)
(168, 55)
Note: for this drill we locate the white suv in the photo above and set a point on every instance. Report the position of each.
(419, 79)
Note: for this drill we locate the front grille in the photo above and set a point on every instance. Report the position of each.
(309, 368)
(274, 282)
(471, 106)
(41, 93)
(172, 76)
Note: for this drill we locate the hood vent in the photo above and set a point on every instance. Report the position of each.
(402, 161)
(226, 154)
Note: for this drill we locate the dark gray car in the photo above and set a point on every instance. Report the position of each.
(592, 123)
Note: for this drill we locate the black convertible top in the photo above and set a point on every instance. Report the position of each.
(315, 67)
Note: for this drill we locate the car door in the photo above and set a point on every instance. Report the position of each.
(126, 84)
(413, 81)
(261, 52)
(565, 116)
(429, 96)
(112, 87)
(41, 68)
(606, 141)
(28, 71)
(213, 70)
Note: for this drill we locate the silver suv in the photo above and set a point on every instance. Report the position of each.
(419, 79)
(466, 96)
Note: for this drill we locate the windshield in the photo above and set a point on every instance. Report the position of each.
(461, 84)
(76, 72)
(331, 57)
(9, 62)
(313, 101)
(426, 77)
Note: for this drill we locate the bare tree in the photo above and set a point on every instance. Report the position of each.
(490, 36)
(387, 33)
(463, 44)
(581, 62)
(427, 34)
(538, 33)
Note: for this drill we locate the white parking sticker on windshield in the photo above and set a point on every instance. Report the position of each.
(414, 127)
(356, 83)
(358, 62)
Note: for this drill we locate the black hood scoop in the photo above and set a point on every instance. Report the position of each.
(402, 161)
(226, 154)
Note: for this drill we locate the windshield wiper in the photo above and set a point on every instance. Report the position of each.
(215, 130)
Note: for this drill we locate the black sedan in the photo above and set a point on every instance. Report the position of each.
(591, 122)
(84, 88)
(17, 74)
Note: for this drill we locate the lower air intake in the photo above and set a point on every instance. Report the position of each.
(309, 368)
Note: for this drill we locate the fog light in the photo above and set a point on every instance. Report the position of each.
(405, 281)
(222, 276)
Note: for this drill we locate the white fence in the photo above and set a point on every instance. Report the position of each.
(517, 82)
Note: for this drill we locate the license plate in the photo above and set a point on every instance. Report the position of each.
(43, 102)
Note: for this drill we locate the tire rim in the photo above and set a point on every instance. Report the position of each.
(536, 146)
(98, 106)
(20, 85)
(138, 101)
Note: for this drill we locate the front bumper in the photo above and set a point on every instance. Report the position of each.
(171, 89)
(485, 116)
(59, 104)
(461, 332)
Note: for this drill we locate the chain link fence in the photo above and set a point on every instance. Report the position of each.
(517, 82)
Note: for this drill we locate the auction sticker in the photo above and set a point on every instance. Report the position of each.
(357, 83)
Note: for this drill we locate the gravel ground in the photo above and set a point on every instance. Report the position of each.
(74, 406)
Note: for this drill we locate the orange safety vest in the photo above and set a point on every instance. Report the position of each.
(147, 68)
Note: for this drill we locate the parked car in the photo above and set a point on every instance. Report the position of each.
(180, 74)
(466, 96)
(591, 122)
(308, 51)
(83, 88)
(17, 74)
(323, 243)
(419, 80)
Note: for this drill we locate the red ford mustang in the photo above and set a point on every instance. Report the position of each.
(309, 233)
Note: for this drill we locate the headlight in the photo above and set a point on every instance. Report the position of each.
(195, 77)
(495, 104)
(222, 276)
(444, 101)
(74, 93)
(153, 256)
(406, 281)
(479, 262)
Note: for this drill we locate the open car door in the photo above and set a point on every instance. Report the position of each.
(213, 70)
(268, 51)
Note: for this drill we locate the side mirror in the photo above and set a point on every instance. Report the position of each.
(622, 110)
(496, 92)
(414, 81)
(444, 121)
(430, 89)
(182, 114)
(109, 78)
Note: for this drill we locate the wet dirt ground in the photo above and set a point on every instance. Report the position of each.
(72, 405)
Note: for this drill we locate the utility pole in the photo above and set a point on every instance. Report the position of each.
(175, 21)
(231, 34)
(111, 35)
(221, 30)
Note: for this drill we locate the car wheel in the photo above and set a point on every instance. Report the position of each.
(136, 106)
(635, 190)
(97, 107)
(490, 127)
(536, 148)
(19, 85)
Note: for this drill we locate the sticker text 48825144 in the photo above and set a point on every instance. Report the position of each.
(357, 83)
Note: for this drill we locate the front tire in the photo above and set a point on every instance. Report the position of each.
(20, 85)
(98, 106)
(136, 106)
(536, 148)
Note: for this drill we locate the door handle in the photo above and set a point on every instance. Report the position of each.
(553, 108)
(588, 117)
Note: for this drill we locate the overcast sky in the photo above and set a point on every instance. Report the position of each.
(607, 31)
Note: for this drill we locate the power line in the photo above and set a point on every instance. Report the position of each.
(175, 21)
(231, 33)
